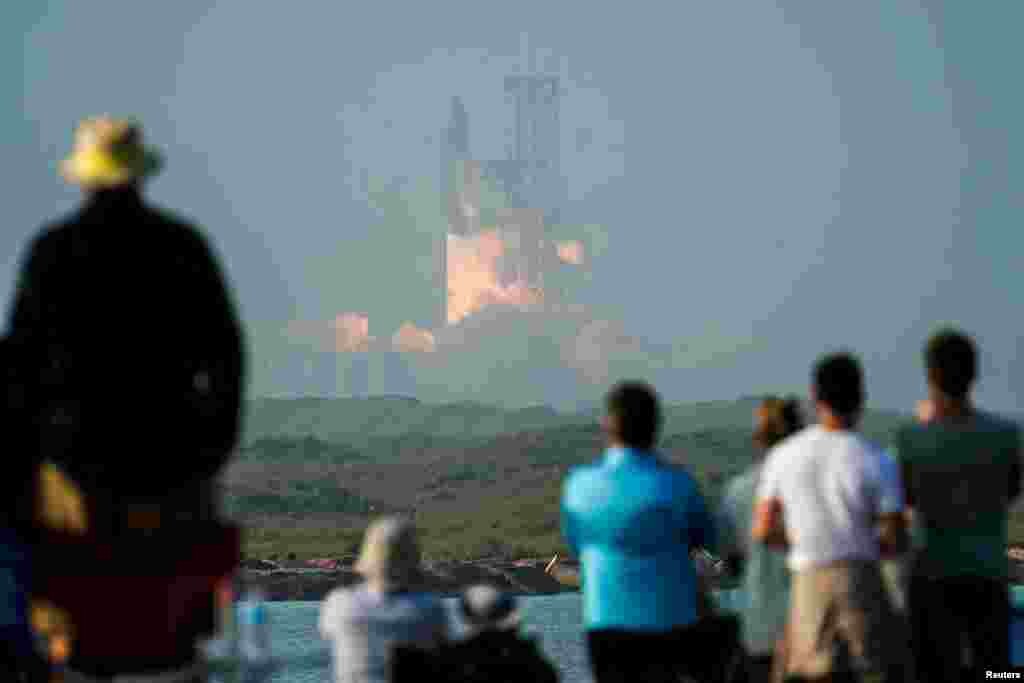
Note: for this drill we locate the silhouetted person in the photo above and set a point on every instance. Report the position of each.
(961, 469)
(632, 520)
(827, 497)
(131, 356)
(765, 578)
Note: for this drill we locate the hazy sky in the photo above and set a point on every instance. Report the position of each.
(804, 174)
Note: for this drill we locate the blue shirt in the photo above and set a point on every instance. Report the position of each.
(631, 520)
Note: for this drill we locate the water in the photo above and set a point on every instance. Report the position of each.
(555, 620)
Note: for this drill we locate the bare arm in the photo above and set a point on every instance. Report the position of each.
(566, 577)
(769, 525)
(892, 534)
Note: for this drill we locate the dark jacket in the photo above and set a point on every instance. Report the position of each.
(129, 350)
(489, 657)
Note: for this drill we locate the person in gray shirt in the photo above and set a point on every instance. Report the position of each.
(765, 578)
(366, 622)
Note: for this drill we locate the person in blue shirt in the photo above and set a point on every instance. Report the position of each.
(632, 520)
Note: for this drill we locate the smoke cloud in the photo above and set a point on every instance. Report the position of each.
(475, 277)
(571, 253)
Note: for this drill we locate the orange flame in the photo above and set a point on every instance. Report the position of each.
(412, 339)
(571, 253)
(474, 281)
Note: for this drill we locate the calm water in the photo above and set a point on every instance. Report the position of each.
(554, 619)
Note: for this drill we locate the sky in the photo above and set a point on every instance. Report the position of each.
(772, 179)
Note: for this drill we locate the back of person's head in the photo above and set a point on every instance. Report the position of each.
(952, 362)
(777, 419)
(634, 414)
(485, 608)
(839, 384)
(389, 559)
(110, 156)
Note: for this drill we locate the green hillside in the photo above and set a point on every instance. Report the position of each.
(359, 419)
(351, 420)
(481, 481)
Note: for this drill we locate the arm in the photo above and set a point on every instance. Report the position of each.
(893, 539)
(904, 467)
(729, 547)
(566, 577)
(327, 623)
(769, 524)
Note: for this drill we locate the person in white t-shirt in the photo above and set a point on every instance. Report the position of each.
(827, 497)
(367, 622)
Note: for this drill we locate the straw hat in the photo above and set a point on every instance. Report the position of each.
(109, 152)
(390, 556)
(485, 608)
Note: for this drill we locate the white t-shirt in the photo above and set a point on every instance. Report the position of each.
(364, 627)
(832, 486)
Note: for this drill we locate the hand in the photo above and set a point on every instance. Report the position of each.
(925, 411)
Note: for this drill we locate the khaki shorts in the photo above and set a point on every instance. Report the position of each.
(845, 606)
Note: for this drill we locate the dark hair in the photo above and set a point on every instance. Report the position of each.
(638, 415)
(952, 362)
(839, 383)
(781, 419)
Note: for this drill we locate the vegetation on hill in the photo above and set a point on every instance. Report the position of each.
(480, 482)
(297, 497)
(359, 421)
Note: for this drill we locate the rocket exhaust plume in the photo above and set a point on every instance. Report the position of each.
(474, 267)
(571, 253)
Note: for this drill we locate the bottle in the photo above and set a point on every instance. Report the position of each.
(219, 653)
(254, 636)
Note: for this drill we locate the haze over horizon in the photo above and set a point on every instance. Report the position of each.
(751, 183)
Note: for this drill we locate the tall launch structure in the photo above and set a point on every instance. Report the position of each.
(530, 178)
(454, 149)
(536, 142)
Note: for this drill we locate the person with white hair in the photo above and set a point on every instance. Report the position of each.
(366, 622)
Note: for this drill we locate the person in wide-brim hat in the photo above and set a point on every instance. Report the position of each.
(109, 153)
(389, 559)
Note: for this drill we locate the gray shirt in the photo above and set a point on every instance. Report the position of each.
(364, 626)
(765, 605)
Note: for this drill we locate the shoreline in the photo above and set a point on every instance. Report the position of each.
(520, 578)
(447, 578)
